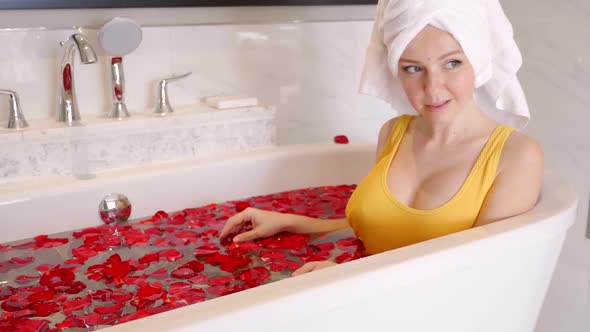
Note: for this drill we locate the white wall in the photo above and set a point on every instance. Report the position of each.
(555, 41)
(310, 71)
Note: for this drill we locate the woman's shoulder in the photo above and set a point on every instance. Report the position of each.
(384, 134)
(521, 152)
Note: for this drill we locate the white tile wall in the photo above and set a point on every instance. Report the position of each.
(310, 71)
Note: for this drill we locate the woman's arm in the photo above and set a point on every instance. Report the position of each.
(307, 225)
(517, 183)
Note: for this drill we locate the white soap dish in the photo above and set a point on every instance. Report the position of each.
(225, 102)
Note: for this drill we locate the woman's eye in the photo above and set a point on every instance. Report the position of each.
(453, 64)
(412, 69)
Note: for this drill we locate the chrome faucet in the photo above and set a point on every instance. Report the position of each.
(16, 119)
(163, 104)
(67, 106)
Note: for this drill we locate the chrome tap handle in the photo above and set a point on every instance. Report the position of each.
(119, 110)
(163, 105)
(16, 119)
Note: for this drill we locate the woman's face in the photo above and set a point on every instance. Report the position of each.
(436, 75)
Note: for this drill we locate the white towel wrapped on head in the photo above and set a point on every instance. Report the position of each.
(479, 26)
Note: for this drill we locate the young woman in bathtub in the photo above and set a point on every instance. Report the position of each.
(448, 168)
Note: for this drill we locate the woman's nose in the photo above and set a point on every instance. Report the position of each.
(432, 83)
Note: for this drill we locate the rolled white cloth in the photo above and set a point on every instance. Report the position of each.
(479, 26)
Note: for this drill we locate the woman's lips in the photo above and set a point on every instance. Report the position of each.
(437, 107)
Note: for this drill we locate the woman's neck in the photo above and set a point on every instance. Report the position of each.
(467, 124)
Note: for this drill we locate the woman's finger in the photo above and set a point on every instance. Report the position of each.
(307, 267)
(247, 236)
(234, 223)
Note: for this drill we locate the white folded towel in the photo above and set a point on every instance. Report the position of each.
(479, 26)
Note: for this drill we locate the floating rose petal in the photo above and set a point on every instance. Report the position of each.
(221, 281)
(160, 215)
(115, 268)
(349, 244)
(6, 292)
(189, 296)
(26, 245)
(15, 303)
(150, 258)
(121, 296)
(272, 255)
(178, 286)
(75, 304)
(223, 290)
(23, 324)
(280, 265)
(25, 279)
(257, 274)
(199, 279)
(162, 242)
(109, 309)
(158, 274)
(324, 246)
(177, 219)
(171, 254)
(151, 292)
(21, 260)
(44, 309)
(44, 267)
(57, 277)
(43, 241)
(46, 295)
(109, 319)
(241, 206)
(73, 288)
(183, 273)
(83, 253)
(205, 250)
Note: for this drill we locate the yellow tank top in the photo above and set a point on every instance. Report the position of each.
(384, 223)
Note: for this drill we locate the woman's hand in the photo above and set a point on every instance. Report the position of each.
(313, 266)
(264, 224)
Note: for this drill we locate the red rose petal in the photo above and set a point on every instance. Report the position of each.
(150, 258)
(272, 255)
(241, 206)
(152, 293)
(44, 309)
(171, 254)
(189, 296)
(221, 281)
(104, 310)
(258, 274)
(183, 273)
(46, 295)
(15, 303)
(177, 219)
(199, 279)
(204, 250)
(21, 260)
(75, 304)
(6, 292)
(43, 241)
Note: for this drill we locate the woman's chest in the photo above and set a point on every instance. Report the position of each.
(427, 179)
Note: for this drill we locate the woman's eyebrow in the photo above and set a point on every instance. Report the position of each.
(440, 58)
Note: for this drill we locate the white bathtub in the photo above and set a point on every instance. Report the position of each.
(490, 278)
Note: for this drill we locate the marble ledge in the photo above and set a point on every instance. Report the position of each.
(184, 116)
(100, 145)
